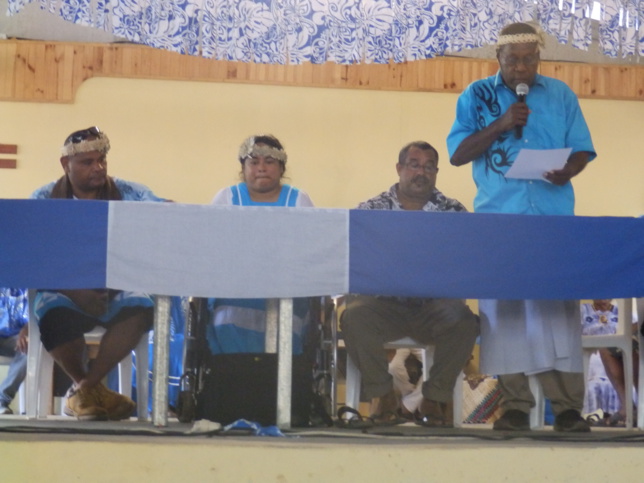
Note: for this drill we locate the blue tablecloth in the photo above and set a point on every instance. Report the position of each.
(179, 249)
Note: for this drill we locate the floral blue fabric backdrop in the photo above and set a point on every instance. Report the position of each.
(347, 31)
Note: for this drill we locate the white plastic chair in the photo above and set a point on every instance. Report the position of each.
(6, 361)
(640, 382)
(623, 340)
(538, 412)
(40, 365)
(354, 379)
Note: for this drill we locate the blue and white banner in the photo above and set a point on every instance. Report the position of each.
(347, 31)
(252, 252)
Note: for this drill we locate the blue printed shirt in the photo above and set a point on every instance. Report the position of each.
(14, 311)
(555, 121)
(129, 190)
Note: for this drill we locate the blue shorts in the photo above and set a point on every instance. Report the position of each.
(61, 320)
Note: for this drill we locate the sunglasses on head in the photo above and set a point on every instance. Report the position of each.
(78, 136)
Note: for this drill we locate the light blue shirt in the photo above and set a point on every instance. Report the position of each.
(129, 190)
(14, 312)
(555, 121)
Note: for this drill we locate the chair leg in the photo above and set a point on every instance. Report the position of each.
(627, 360)
(353, 380)
(457, 400)
(125, 376)
(45, 390)
(31, 381)
(142, 391)
(33, 363)
(640, 382)
(537, 413)
(22, 398)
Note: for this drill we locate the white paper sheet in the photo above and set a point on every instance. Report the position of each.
(533, 163)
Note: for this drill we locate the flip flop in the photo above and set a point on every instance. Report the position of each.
(435, 415)
(429, 421)
(388, 418)
(354, 421)
(617, 421)
(596, 418)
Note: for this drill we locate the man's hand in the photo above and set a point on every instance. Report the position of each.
(559, 176)
(516, 115)
(477, 143)
(22, 343)
(576, 163)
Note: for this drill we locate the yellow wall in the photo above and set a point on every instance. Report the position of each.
(181, 139)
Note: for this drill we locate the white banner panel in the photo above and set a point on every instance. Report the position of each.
(215, 251)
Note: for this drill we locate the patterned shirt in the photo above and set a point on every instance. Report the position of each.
(388, 200)
(14, 311)
(555, 121)
(598, 322)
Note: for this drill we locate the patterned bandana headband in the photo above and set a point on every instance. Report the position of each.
(521, 39)
(249, 149)
(101, 144)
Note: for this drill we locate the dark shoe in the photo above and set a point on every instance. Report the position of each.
(513, 420)
(403, 412)
(387, 410)
(434, 414)
(349, 418)
(570, 421)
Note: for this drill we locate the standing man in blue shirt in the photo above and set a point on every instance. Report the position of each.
(495, 120)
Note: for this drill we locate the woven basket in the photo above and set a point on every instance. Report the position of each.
(481, 404)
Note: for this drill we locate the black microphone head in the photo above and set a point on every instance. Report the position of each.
(522, 89)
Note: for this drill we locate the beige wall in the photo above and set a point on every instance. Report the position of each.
(181, 139)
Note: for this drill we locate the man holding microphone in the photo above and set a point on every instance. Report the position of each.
(496, 117)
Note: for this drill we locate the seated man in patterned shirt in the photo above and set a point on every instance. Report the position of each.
(64, 316)
(369, 322)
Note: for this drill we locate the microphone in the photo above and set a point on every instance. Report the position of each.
(522, 91)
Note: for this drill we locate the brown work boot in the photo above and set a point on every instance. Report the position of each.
(82, 404)
(116, 405)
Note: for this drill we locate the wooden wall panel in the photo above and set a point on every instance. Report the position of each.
(6, 163)
(53, 71)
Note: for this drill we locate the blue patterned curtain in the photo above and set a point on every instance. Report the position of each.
(347, 31)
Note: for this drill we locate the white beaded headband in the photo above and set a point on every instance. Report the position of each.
(101, 144)
(521, 39)
(249, 149)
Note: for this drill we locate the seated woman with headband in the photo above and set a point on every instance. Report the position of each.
(238, 325)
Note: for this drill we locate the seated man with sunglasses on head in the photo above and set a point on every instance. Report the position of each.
(64, 316)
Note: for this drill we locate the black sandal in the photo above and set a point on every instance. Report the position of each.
(354, 421)
(388, 418)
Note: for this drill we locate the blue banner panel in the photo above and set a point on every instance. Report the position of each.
(53, 243)
(467, 255)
